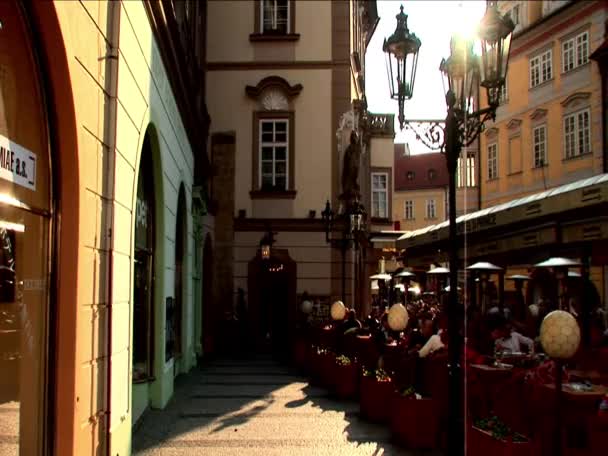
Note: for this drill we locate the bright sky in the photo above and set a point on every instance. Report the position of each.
(434, 22)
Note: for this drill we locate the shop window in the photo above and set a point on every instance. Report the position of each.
(143, 287)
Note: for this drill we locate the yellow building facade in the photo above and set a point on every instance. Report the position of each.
(548, 128)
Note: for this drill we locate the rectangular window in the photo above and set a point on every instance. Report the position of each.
(430, 209)
(504, 93)
(575, 52)
(492, 161)
(409, 210)
(515, 15)
(275, 16)
(380, 195)
(541, 68)
(539, 136)
(577, 134)
(465, 172)
(273, 153)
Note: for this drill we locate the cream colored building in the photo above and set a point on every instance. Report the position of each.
(285, 89)
(101, 235)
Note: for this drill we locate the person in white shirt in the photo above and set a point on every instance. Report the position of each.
(432, 345)
(509, 341)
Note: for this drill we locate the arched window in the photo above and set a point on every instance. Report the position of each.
(143, 287)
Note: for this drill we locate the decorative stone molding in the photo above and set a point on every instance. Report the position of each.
(491, 133)
(576, 99)
(514, 124)
(270, 83)
(538, 114)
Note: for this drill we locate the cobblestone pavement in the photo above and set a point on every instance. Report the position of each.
(257, 408)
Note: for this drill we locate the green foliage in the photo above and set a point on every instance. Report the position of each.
(499, 429)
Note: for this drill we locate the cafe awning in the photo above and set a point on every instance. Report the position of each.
(576, 195)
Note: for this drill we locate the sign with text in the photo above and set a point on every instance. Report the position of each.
(17, 164)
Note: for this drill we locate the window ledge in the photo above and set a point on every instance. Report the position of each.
(546, 165)
(514, 173)
(542, 84)
(274, 37)
(576, 69)
(269, 194)
(494, 179)
(578, 157)
(381, 221)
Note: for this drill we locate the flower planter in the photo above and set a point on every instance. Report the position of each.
(346, 382)
(327, 366)
(414, 422)
(299, 353)
(483, 443)
(374, 399)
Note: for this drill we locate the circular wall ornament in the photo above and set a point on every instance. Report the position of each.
(274, 100)
(560, 334)
(338, 311)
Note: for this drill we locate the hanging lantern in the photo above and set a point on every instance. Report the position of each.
(495, 32)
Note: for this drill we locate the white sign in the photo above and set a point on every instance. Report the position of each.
(17, 164)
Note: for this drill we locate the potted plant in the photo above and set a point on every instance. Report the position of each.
(375, 394)
(414, 420)
(346, 378)
(491, 436)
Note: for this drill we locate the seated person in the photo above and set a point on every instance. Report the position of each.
(351, 324)
(434, 343)
(509, 341)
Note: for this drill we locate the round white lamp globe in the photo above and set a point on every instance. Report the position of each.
(397, 317)
(560, 334)
(338, 311)
(306, 306)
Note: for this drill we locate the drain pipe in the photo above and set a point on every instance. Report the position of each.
(110, 123)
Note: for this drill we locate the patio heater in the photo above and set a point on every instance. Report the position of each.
(406, 277)
(560, 267)
(484, 270)
(518, 282)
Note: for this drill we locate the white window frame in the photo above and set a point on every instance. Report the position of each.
(408, 210)
(378, 191)
(274, 18)
(431, 209)
(465, 171)
(492, 161)
(541, 68)
(503, 96)
(577, 133)
(575, 52)
(274, 144)
(539, 146)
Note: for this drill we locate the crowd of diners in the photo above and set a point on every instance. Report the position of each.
(500, 330)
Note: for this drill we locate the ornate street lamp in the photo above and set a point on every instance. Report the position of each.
(352, 222)
(401, 50)
(266, 244)
(464, 73)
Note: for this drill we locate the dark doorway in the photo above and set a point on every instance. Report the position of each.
(272, 303)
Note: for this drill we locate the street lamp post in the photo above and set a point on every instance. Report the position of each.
(353, 227)
(464, 72)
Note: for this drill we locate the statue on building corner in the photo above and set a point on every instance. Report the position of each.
(350, 169)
